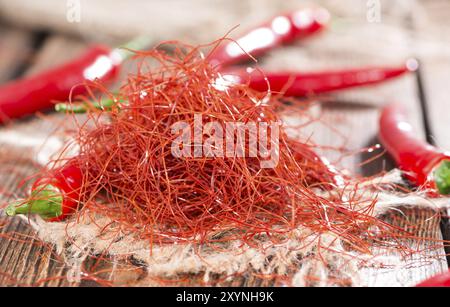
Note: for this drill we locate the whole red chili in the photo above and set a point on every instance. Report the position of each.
(424, 164)
(28, 95)
(53, 197)
(281, 29)
(304, 84)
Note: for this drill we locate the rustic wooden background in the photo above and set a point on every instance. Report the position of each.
(26, 50)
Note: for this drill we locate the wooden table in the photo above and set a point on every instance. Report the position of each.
(25, 53)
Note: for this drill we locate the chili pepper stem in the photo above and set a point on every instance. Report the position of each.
(442, 177)
(70, 107)
(46, 202)
(78, 108)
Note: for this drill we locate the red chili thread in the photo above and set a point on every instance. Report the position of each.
(131, 176)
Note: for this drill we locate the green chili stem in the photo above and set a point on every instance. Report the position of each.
(46, 201)
(79, 108)
(442, 177)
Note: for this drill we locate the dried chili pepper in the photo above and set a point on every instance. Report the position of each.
(284, 29)
(424, 165)
(304, 84)
(279, 30)
(53, 197)
(286, 83)
(38, 92)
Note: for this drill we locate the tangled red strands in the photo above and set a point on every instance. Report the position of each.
(132, 177)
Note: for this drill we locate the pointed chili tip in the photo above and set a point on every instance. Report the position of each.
(322, 16)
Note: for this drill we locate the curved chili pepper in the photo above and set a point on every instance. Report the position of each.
(304, 84)
(54, 197)
(29, 95)
(286, 83)
(424, 164)
(441, 280)
(279, 30)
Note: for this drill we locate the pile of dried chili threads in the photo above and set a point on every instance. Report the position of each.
(131, 175)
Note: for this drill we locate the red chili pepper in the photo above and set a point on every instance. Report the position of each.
(279, 30)
(424, 165)
(304, 84)
(441, 280)
(28, 95)
(54, 197)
